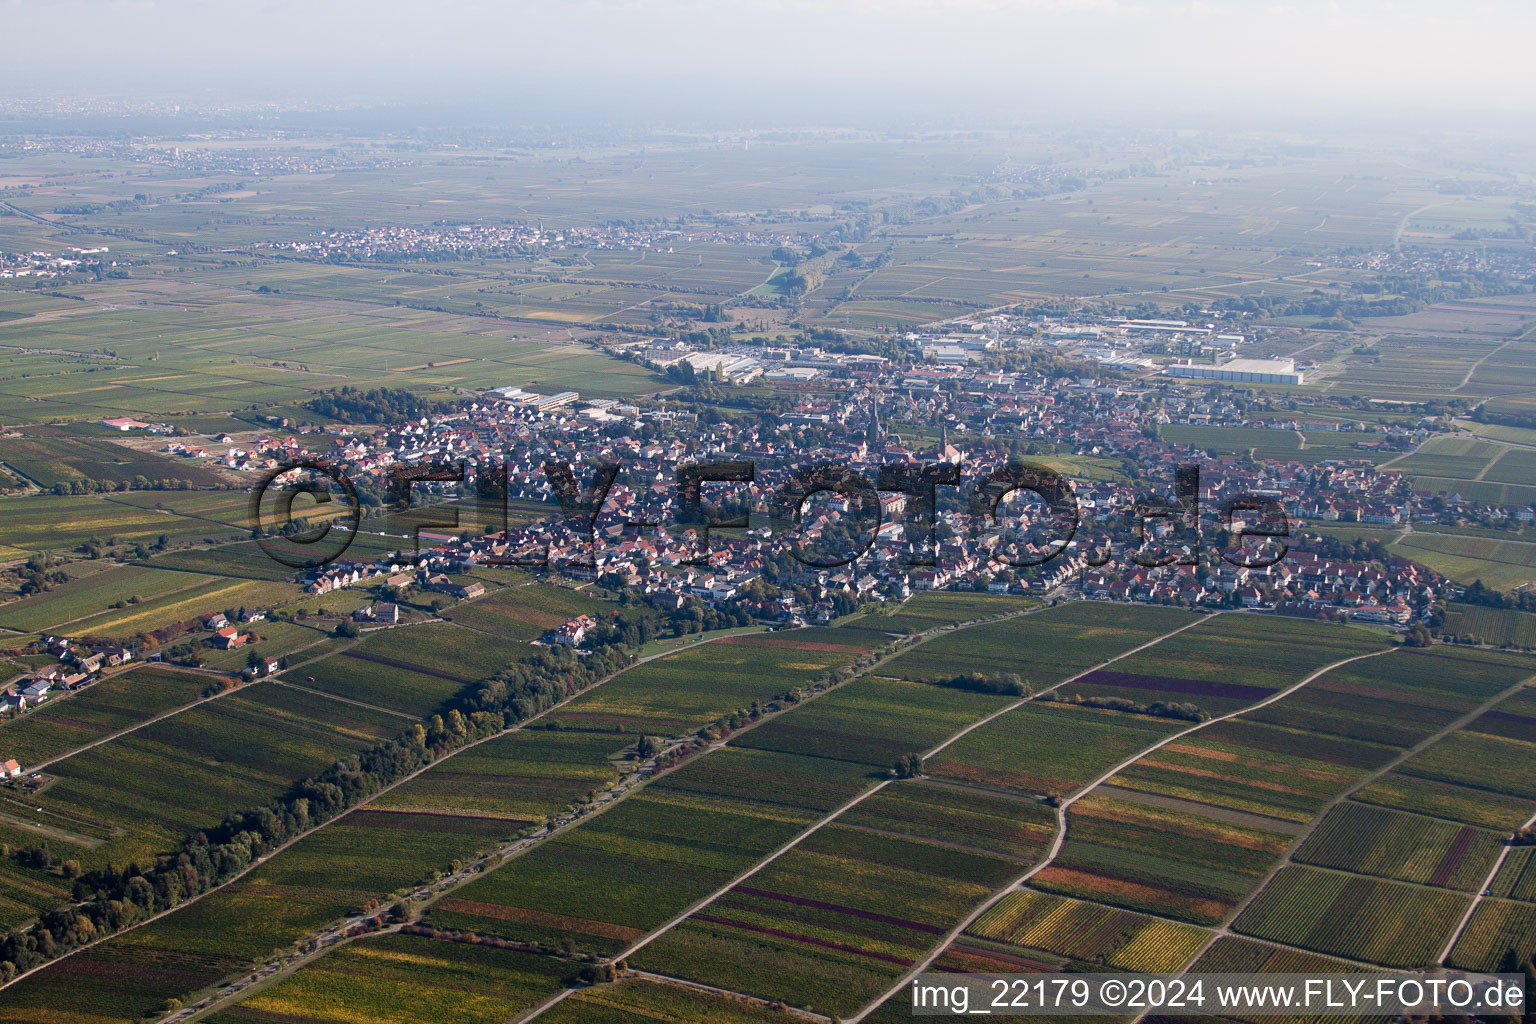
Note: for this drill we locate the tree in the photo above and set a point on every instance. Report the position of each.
(908, 766)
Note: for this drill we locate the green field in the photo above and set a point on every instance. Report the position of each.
(621, 873)
(1498, 626)
(1496, 928)
(410, 979)
(832, 922)
(1088, 934)
(523, 612)
(1182, 862)
(67, 722)
(678, 693)
(925, 611)
(1379, 922)
(874, 721)
(637, 999)
(1389, 844)
(1046, 747)
(1043, 648)
(146, 791)
(1517, 876)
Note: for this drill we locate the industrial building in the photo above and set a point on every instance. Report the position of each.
(1250, 371)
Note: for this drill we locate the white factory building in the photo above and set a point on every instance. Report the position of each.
(1250, 371)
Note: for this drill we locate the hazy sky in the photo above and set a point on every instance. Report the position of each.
(1108, 53)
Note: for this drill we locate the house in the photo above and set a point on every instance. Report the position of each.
(10, 769)
(229, 638)
(36, 691)
(382, 611)
(573, 631)
(117, 655)
(264, 667)
(216, 621)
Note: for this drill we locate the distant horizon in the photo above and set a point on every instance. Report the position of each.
(792, 60)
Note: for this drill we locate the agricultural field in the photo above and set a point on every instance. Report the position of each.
(1099, 937)
(1224, 802)
(46, 523)
(1406, 847)
(933, 610)
(53, 458)
(1237, 955)
(795, 781)
(1452, 458)
(874, 721)
(1493, 753)
(1501, 564)
(1286, 760)
(1256, 768)
(605, 883)
(1047, 747)
(1497, 927)
(119, 701)
(204, 597)
(1516, 879)
(1196, 666)
(1469, 804)
(225, 349)
(391, 844)
(409, 979)
(439, 649)
(1415, 368)
(1187, 862)
(831, 922)
(1282, 445)
(145, 791)
(523, 611)
(635, 999)
(1291, 757)
(1379, 922)
(1398, 699)
(1498, 626)
(1043, 647)
(984, 822)
(524, 776)
(243, 559)
(679, 693)
(412, 671)
(95, 594)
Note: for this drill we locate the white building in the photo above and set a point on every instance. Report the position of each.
(1252, 371)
